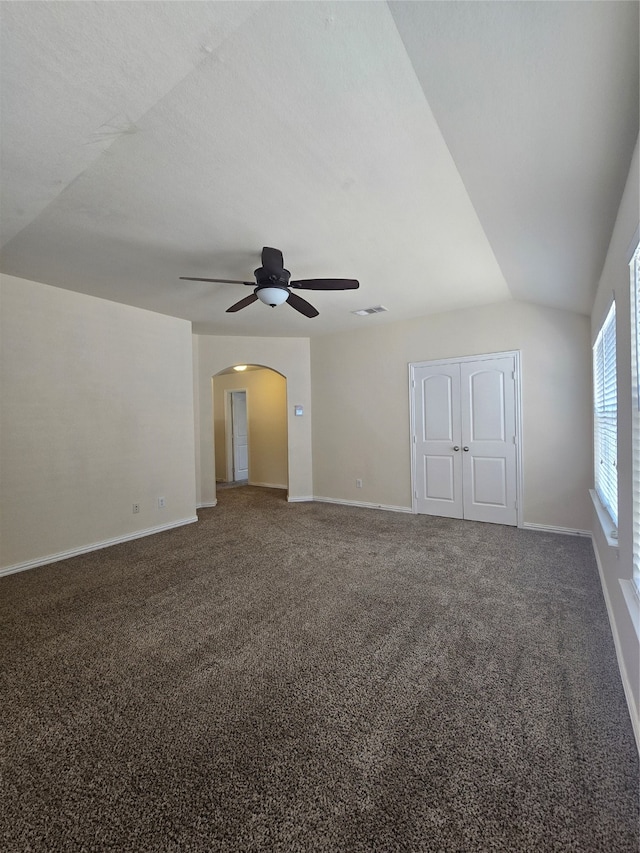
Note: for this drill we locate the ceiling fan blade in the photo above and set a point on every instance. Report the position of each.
(248, 300)
(302, 305)
(326, 284)
(272, 259)
(217, 280)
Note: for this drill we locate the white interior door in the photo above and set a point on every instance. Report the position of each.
(465, 439)
(488, 407)
(438, 461)
(239, 435)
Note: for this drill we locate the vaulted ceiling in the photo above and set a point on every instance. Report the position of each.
(446, 154)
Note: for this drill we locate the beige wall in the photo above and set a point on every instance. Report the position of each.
(96, 415)
(361, 404)
(616, 563)
(266, 421)
(289, 357)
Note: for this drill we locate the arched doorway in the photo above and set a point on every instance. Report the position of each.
(250, 426)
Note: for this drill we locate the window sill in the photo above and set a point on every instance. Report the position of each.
(609, 529)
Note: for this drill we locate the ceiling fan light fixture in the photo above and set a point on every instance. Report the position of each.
(272, 295)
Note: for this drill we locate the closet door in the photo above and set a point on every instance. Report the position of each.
(465, 450)
(437, 440)
(488, 408)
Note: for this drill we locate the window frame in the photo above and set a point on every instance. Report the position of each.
(605, 418)
(634, 288)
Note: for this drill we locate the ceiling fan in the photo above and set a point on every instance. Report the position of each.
(272, 285)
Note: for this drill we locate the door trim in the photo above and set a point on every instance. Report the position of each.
(413, 365)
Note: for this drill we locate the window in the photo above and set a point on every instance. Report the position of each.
(635, 413)
(605, 416)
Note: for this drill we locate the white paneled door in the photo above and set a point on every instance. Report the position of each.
(438, 440)
(465, 438)
(240, 435)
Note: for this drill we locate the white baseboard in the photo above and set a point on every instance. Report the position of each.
(96, 546)
(364, 504)
(267, 485)
(634, 711)
(544, 528)
(292, 499)
(206, 504)
(547, 528)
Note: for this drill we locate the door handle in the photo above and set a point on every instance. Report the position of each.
(465, 448)
(456, 447)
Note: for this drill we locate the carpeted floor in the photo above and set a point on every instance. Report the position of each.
(311, 677)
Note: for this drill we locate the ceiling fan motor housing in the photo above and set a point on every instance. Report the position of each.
(272, 278)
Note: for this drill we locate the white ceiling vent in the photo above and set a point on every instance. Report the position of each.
(364, 312)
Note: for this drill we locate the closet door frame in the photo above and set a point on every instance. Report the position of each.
(413, 366)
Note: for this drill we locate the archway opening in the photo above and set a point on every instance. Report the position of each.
(250, 432)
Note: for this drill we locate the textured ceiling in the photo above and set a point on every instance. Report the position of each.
(445, 154)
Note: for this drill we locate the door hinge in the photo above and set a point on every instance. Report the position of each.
(413, 383)
(515, 505)
(515, 439)
(415, 494)
(414, 439)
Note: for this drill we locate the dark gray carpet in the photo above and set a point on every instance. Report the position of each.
(309, 677)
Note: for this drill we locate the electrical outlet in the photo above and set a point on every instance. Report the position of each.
(358, 484)
(136, 508)
(161, 503)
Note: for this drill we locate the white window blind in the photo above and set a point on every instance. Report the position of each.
(605, 416)
(635, 414)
